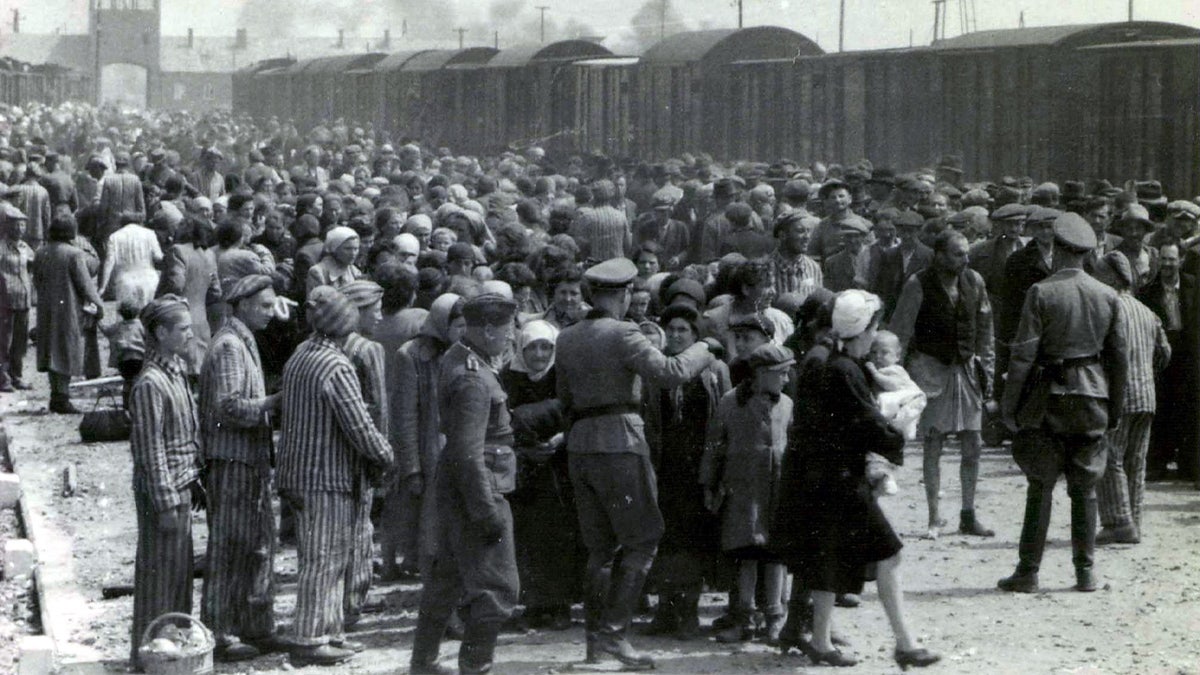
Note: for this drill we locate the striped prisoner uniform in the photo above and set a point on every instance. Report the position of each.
(327, 437)
(1121, 488)
(368, 360)
(165, 463)
(239, 594)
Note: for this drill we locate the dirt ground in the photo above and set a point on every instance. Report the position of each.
(1145, 620)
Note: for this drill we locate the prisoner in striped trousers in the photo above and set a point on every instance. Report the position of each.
(239, 590)
(359, 570)
(324, 538)
(162, 572)
(1121, 489)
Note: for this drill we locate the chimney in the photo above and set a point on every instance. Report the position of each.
(239, 42)
(341, 38)
(387, 37)
(191, 38)
(16, 21)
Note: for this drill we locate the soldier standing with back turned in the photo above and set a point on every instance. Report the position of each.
(601, 361)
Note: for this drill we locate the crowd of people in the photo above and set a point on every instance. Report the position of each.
(538, 380)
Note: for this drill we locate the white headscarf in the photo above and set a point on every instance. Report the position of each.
(852, 313)
(532, 332)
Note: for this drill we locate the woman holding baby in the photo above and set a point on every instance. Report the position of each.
(845, 535)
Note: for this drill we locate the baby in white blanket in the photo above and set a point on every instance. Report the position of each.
(900, 401)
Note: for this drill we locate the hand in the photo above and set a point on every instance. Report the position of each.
(492, 526)
(271, 403)
(714, 347)
(415, 484)
(199, 496)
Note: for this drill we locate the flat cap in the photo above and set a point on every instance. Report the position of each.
(1046, 190)
(796, 189)
(976, 197)
(829, 186)
(689, 287)
(663, 200)
(246, 287)
(460, 251)
(854, 224)
(1149, 192)
(1073, 232)
(489, 308)
(755, 321)
(1114, 266)
(1183, 209)
(770, 356)
(612, 273)
(362, 292)
(1042, 214)
(1136, 213)
(972, 216)
(909, 219)
(1010, 212)
(883, 176)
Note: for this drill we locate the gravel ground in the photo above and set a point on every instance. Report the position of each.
(1145, 620)
(18, 603)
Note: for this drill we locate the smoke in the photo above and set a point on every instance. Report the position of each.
(654, 20)
(308, 18)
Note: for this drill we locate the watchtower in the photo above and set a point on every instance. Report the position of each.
(125, 44)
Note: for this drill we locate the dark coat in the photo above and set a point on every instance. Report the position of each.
(63, 285)
(1023, 269)
(892, 275)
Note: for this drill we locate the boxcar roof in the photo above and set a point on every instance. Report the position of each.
(267, 64)
(522, 55)
(437, 59)
(1074, 36)
(333, 64)
(725, 45)
(396, 60)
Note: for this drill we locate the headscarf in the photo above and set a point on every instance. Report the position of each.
(362, 292)
(408, 243)
(852, 313)
(330, 313)
(247, 286)
(530, 333)
(418, 224)
(338, 236)
(441, 313)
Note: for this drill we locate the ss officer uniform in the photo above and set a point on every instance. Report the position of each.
(475, 565)
(1066, 380)
(601, 362)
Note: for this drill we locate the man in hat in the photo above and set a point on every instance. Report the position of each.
(238, 453)
(58, 184)
(327, 443)
(1150, 195)
(793, 198)
(120, 194)
(950, 172)
(87, 181)
(989, 256)
(743, 235)
(879, 190)
(848, 267)
(827, 239)
(972, 222)
(1120, 491)
(897, 264)
(1066, 386)
(475, 566)
(367, 357)
(716, 226)
(16, 269)
(1182, 217)
(208, 179)
(792, 269)
(1046, 195)
(601, 361)
(944, 322)
(672, 236)
(1132, 226)
(1025, 268)
(34, 201)
(1174, 297)
(166, 468)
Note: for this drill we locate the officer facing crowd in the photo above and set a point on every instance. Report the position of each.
(601, 361)
(475, 566)
(1066, 379)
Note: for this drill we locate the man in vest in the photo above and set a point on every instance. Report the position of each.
(944, 320)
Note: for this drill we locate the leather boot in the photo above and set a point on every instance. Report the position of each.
(61, 405)
(593, 608)
(1038, 500)
(478, 647)
(666, 617)
(1083, 541)
(427, 642)
(967, 524)
(687, 608)
(624, 593)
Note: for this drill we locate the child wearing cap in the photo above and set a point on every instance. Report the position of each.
(741, 471)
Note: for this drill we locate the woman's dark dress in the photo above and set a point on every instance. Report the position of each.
(831, 527)
(545, 525)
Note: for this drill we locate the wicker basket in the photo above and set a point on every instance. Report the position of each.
(194, 660)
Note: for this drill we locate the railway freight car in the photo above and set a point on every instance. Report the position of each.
(1110, 100)
(429, 95)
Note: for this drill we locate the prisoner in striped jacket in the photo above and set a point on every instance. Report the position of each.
(164, 436)
(232, 392)
(326, 427)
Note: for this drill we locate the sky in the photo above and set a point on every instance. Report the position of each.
(870, 24)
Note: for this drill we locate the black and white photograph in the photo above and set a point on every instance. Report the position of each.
(534, 337)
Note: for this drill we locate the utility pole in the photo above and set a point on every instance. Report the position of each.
(496, 39)
(662, 18)
(739, 13)
(542, 9)
(842, 25)
(1021, 24)
(460, 32)
(1131, 10)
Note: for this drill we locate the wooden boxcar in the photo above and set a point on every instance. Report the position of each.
(438, 93)
(605, 116)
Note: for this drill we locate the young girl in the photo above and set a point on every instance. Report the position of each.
(741, 470)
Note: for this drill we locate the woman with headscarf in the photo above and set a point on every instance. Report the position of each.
(309, 246)
(544, 522)
(415, 430)
(336, 267)
(845, 535)
(190, 271)
(676, 420)
(65, 292)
